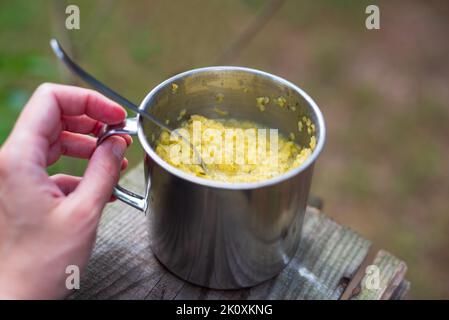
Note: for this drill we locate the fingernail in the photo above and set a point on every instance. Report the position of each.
(118, 149)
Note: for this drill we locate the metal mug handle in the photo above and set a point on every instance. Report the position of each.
(129, 126)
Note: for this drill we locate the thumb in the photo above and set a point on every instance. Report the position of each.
(102, 174)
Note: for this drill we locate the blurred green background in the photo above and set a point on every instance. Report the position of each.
(384, 94)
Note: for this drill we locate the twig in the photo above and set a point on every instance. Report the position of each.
(259, 21)
(98, 17)
(60, 32)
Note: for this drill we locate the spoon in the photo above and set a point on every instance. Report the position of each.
(101, 87)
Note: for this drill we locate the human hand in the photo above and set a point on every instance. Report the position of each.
(48, 223)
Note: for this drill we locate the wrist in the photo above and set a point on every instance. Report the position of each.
(12, 284)
(8, 288)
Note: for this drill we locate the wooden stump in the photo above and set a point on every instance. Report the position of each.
(330, 264)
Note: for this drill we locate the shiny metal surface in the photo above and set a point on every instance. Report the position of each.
(222, 235)
(98, 85)
(101, 87)
(129, 126)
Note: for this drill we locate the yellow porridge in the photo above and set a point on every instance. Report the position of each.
(234, 150)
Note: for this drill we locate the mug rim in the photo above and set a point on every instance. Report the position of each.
(227, 185)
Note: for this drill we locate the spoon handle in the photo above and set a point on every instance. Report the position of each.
(108, 92)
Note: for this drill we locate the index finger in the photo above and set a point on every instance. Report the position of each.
(40, 123)
(51, 101)
(76, 101)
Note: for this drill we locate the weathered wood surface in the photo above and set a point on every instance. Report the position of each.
(122, 265)
(391, 277)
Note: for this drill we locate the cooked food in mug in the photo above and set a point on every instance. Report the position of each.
(233, 150)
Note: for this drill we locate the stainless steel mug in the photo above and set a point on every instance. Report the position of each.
(215, 234)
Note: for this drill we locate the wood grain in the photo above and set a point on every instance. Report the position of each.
(391, 275)
(122, 265)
